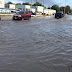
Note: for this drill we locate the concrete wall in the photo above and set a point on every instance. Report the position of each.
(2, 2)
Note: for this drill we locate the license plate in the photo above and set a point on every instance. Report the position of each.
(15, 17)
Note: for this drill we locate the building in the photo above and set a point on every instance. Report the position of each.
(23, 7)
(38, 8)
(47, 11)
(11, 6)
(2, 2)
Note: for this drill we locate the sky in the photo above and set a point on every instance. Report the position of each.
(47, 2)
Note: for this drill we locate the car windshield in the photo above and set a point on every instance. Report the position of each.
(19, 12)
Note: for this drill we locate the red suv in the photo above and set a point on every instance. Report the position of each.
(22, 15)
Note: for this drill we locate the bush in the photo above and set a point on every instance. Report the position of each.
(47, 14)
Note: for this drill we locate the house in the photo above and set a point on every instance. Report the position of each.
(42, 9)
(11, 6)
(2, 2)
(38, 8)
(23, 7)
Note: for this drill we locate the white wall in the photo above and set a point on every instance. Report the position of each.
(49, 11)
(2, 2)
(33, 10)
(12, 6)
(22, 7)
(40, 9)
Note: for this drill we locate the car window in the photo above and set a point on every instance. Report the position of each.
(26, 12)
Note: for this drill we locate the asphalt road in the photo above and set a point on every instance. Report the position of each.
(42, 44)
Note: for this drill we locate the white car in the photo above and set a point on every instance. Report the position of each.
(1, 9)
(12, 10)
(5, 10)
(18, 11)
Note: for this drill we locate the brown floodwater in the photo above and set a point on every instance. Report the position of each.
(42, 44)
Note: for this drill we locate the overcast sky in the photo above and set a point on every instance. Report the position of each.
(47, 2)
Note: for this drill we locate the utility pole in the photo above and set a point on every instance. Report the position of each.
(43, 8)
(36, 5)
(31, 4)
(65, 7)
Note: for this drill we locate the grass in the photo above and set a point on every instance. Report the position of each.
(6, 16)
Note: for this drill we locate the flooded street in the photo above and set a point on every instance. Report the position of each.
(42, 44)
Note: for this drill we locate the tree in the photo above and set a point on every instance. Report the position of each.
(67, 9)
(26, 3)
(49, 7)
(62, 9)
(38, 4)
(55, 7)
(9, 3)
(18, 4)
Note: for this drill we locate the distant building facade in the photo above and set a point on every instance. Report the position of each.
(2, 3)
(23, 7)
(41, 9)
(11, 6)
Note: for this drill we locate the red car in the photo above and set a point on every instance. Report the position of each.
(22, 15)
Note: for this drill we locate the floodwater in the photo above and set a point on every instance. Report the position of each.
(42, 44)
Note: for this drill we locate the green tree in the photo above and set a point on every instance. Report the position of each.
(18, 4)
(62, 9)
(9, 3)
(67, 9)
(55, 7)
(38, 4)
(49, 7)
(26, 3)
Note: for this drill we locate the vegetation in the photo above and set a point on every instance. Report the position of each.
(49, 7)
(18, 4)
(26, 3)
(38, 4)
(67, 9)
(9, 3)
(55, 7)
(62, 9)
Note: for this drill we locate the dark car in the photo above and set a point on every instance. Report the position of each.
(32, 13)
(59, 15)
(22, 15)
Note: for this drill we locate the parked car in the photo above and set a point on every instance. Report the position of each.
(2, 10)
(22, 15)
(18, 11)
(59, 14)
(5, 10)
(12, 10)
